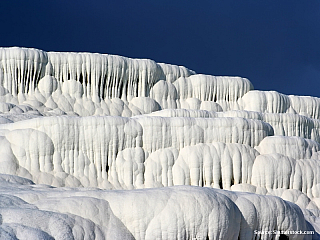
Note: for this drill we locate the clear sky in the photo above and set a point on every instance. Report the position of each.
(275, 44)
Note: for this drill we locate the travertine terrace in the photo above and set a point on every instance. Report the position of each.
(97, 146)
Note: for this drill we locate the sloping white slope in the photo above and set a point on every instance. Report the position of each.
(74, 120)
(183, 212)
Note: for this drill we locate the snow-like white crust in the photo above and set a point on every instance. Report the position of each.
(97, 146)
(183, 212)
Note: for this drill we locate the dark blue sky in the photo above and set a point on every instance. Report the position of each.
(275, 44)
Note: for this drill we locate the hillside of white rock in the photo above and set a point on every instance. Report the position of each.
(97, 146)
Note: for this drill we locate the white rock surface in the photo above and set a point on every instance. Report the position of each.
(43, 212)
(97, 146)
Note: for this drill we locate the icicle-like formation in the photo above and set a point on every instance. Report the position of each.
(294, 147)
(135, 124)
(61, 81)
(272, 171)
(242, 114)
(101, 75)
(81, 151)
(201, 92)
(210, 88)
(287, 124)
(183, 113)
(274, 102)
(21, 69)
(106, 76)
(305, 105)
(180, 132)
(283, 124)
(265, 101)
(217, 165)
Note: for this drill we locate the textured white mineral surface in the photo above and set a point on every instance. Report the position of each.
(97, 146)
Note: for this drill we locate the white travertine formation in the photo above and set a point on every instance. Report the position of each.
(73, 151)
(97, 146)
(305, 105)
(265, 101)
(283, 124)
(274, 102)
(99, 74)
(41, 212)
(214, 165)
(211, 165)
(294, 147)
(287, 124)
(99, 84)
(272, 171)
(209, 88)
